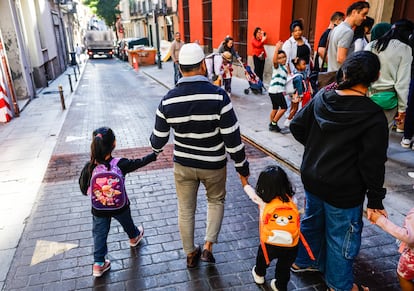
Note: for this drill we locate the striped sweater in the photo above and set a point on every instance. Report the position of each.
(204, 124)
(279, 79)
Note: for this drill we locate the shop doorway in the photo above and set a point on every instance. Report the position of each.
(306, 10)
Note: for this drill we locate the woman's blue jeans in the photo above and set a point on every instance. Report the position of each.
(100, 230)
(334, 236)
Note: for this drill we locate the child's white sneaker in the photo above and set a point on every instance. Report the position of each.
(273, 285)
(287, 122)
(99, 270)
(405, 142)
(258, 279)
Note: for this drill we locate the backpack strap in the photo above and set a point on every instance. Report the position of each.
(114, 162)
(307, 247)
(262, 243)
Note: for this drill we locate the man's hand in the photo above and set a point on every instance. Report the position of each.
(374, 214)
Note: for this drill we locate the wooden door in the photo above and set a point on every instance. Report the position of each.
(403, 9)
(306, 10)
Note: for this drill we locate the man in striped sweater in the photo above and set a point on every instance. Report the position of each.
(205, 126)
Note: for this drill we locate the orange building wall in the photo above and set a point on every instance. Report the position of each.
(324, 10)
(273, 17)
(196, 20)
(222, 20)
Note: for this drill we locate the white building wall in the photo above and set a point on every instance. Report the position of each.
(16, 55)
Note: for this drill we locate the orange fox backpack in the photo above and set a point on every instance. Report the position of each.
(279, 225)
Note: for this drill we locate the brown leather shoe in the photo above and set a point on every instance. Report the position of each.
(207, 256)
(193, 258)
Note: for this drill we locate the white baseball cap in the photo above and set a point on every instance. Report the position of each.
(190, 54)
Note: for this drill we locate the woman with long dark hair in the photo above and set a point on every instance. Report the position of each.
(391, 89)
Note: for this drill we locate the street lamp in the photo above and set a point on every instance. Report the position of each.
(156, 12)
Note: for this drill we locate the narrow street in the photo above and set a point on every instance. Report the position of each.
(55, 251)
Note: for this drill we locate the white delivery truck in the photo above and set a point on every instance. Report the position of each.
(99, 42)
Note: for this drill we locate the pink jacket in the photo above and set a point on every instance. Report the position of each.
(405, 233)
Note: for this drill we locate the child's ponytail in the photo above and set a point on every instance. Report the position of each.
(102, 145)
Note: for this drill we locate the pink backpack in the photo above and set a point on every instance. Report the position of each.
(107, 187)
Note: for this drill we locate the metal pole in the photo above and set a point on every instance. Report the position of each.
(70, 83)
(157, 32)
(74, 71)
(62, 98)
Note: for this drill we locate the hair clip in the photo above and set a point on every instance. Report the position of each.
(99, 135)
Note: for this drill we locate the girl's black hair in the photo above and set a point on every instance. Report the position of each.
(401, 30)
(359, 31)
(360, 67)
(273, 182)
(296, 61)
(103, 143)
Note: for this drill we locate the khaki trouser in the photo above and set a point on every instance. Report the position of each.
(187, 182)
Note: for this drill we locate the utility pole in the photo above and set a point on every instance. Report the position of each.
(157, 32)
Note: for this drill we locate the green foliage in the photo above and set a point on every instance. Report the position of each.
(105, 9)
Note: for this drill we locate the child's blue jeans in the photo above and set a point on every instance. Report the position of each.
(100, 230)
(298, 84)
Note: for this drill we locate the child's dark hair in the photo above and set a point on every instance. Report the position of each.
(281, 52)
(103, 143)
(360, 67)
(296, 61)
(273, 182)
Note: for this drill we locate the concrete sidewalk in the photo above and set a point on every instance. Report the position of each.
(27, 145)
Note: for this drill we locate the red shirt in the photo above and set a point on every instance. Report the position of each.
(258, 47)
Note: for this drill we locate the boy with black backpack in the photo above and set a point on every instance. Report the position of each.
(279, 225)
(102, 178)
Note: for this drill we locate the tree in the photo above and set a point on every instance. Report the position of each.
(105, 9)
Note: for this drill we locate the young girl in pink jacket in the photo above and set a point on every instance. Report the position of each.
(405, 234)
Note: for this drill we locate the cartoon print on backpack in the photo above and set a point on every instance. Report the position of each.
(107, 189)
(280, 224)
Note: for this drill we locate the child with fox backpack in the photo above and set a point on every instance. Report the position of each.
(279, 225)
(107, 192)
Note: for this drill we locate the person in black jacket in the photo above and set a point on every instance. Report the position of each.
(103, 144)
(345, 135)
